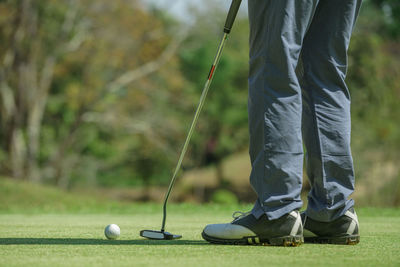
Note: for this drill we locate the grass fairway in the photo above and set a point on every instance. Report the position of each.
(77, 239)
(44, 226)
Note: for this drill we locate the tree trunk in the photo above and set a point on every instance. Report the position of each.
(17, 154)
(35, 117)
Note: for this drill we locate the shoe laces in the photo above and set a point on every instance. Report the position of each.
(239, 214)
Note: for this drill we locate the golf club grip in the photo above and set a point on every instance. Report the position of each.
(233, 10)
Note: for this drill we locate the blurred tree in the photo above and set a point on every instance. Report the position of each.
(222, 128)
(67, 86)
(102, 92)
(374, 82)
(391, 11)
(117, 94)
(34, 36)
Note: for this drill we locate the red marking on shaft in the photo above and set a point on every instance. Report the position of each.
(211, 72)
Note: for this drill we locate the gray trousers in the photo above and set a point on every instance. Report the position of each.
(287, 109)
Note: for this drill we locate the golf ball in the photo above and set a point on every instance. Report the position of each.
(112, 231)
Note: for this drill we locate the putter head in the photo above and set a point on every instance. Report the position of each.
(158, 235)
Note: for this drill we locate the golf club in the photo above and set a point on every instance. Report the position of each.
(162, 235)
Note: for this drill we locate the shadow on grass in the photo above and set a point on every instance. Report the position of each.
(87, 241)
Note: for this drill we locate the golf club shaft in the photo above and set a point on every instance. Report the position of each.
(194, 122)
(227, 28)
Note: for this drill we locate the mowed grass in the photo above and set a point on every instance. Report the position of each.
(42, 226)
(78, 240)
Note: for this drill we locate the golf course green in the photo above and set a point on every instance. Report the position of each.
(44, 226)
(69, 239)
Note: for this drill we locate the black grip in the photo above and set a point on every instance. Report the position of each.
(233, 10)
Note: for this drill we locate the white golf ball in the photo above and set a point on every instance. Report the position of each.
(112, 231)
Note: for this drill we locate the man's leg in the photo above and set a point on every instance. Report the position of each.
(277, 29)
(326, 109)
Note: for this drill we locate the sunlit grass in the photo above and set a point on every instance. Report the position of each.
(71, 239)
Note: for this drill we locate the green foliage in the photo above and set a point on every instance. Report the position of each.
(97, 132)
(224, 119)
(223, 196)
(93, 131)
(374, 79)
(391, 10)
